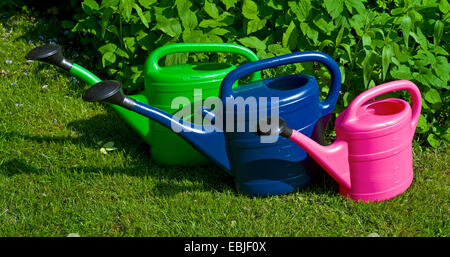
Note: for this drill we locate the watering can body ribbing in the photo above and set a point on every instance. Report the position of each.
(371, 158)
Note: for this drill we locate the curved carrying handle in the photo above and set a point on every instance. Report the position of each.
(201, 47)
(326, 105)
(383, 89)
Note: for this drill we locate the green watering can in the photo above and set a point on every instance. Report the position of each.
(162, 85)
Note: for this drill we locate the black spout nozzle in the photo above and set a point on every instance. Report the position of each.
(282, 128)
(50, 54)
(108, 91)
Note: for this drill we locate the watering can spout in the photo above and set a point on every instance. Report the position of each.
(206, 139)
(51, 54)
(332, 158)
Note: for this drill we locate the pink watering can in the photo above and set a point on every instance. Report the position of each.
(371, 158)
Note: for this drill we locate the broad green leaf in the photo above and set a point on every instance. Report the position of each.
(432, 96)
(127, 7)
(433, 140)
(211, 9)
(278, 49)
(397, 11)
(326, 43)
(309, 32)
(442, 68)
(188, 17)
(226, 18)
(401, 53)
(289, 37)
(368, 68)
(346, 47)
(219, 31)
(346, 98)
(342, 69)
(229, 3)
(136, 77)
(386, 56)
(422, 124)
(193, 36)
(275, 4)
(367, 43)
(250, 10)
(355, 4)
(339, 36)
(420, 38)
(426, 77)
(110, 47)
(110, 3)
(438, 31)
(255, 25)
(147, 3)
(130, 43)
(301, 10)
(113, 29)
(171, 27)
(405, 26)
(122, 53)
(109, 144)
(175, 59)
(401, 72)
(357, 22)
(253, 42)
(444, 7)
(210, 24)
(213, 38)
(326, 27)
(141, 15)
(440, 50)
(334, 7)
(89, 6)
(108, 58)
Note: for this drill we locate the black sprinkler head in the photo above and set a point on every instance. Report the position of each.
(108, 91)
(50, 54)
(282, 128)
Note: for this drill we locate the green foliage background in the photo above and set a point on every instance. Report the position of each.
(372, 41)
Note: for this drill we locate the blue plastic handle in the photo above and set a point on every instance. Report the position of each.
(326, 105)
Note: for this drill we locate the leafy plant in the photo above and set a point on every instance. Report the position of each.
(373, 42)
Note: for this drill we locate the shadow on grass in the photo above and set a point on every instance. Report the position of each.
(204, 179)
(109, 127)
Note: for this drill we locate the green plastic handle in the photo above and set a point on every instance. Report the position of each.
(201, 47)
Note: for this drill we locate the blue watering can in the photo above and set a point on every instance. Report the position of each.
(258, 168)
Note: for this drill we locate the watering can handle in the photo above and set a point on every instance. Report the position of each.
(383, 89)
(326, 105)
(159, 53)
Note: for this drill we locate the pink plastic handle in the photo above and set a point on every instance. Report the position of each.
(383, 89)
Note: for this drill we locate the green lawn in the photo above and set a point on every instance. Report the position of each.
(54, 180)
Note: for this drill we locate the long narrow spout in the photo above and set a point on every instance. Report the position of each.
(332, 158)
(204, 138)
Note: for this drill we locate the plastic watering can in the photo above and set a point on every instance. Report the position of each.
(258, 168)
(162, 85)
(371, 158)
